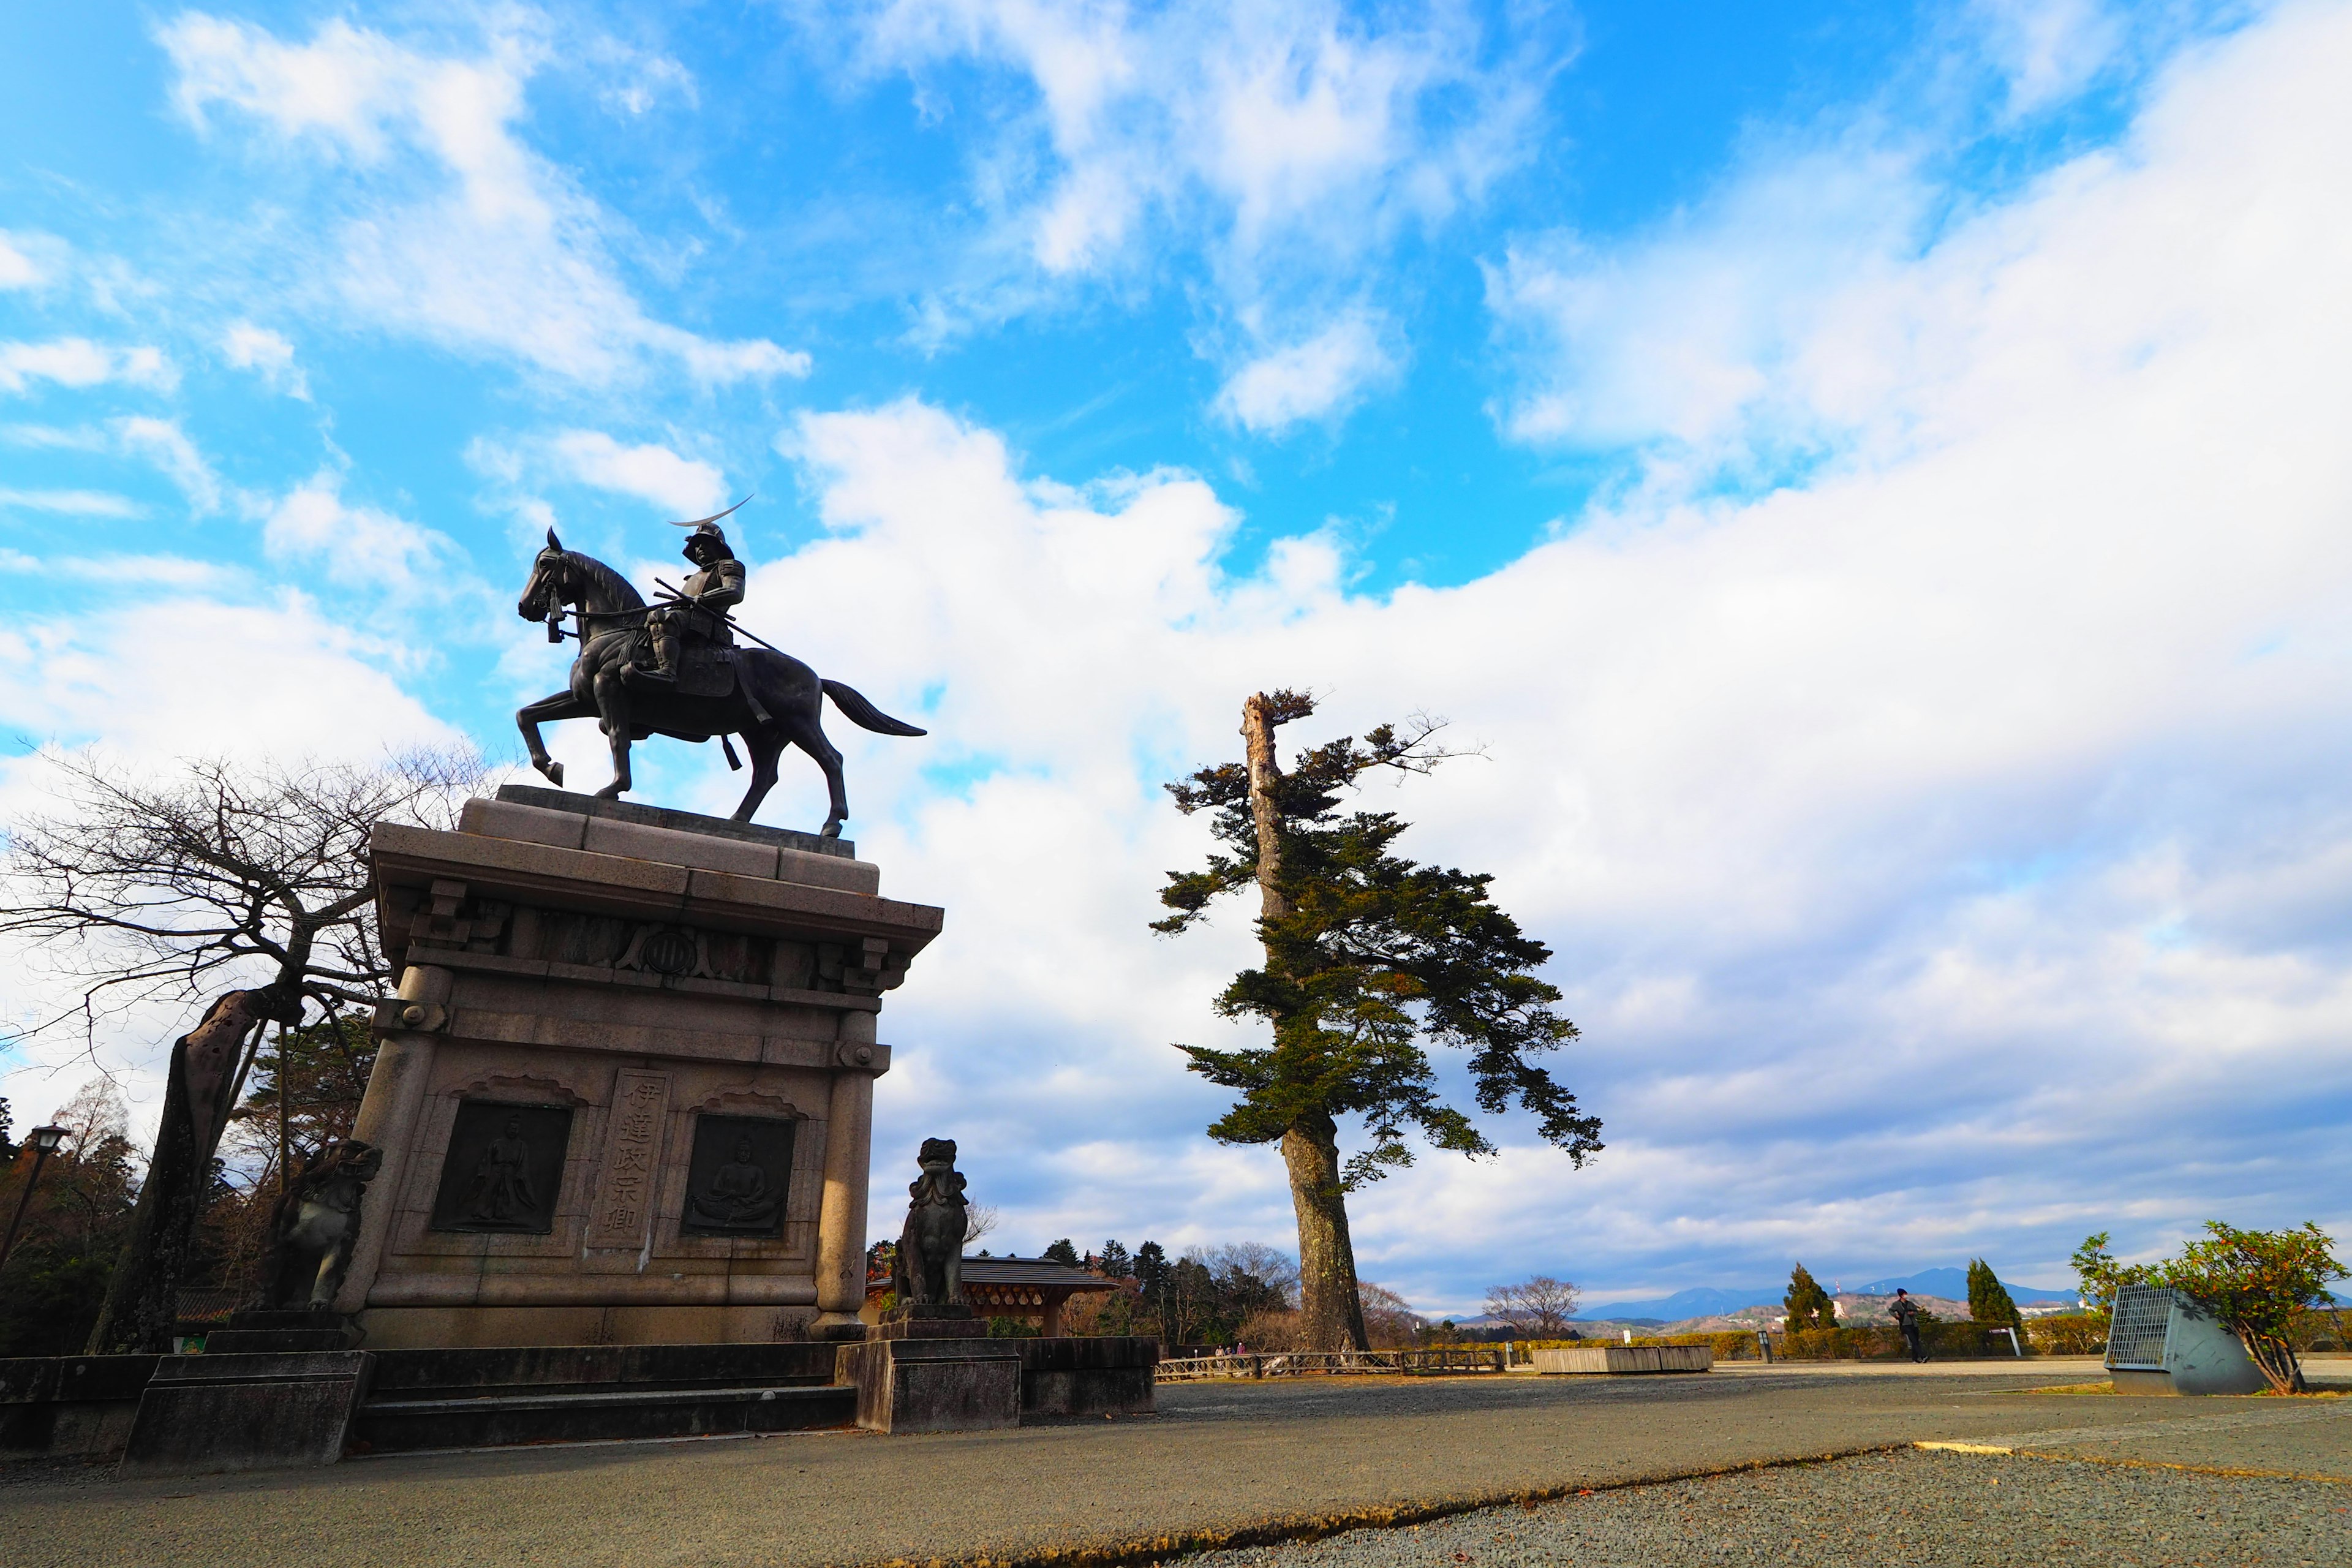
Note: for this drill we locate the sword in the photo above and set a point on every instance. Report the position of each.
(743, 683)
(676, 598)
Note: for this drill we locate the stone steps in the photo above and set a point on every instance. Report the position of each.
(610, 1415)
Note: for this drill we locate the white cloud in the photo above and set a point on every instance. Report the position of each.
(360, 545)
(72, 504)
(80, 362)
(685, 486)
(17, 270)
(163, 443)
(1322, 377)
(1914, 838)
(456, 229)
(1286, 143)
(1695, 334)
(2047, 49)
(1283, 118)
(267, 355)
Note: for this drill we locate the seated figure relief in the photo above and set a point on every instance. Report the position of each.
(738, 1195)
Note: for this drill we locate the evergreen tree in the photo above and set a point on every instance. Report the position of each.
(1809, 1306)
(1115, 1263)
(1061, 1252)
(1366, 955)
(1988, 1299)
(1151, 1276)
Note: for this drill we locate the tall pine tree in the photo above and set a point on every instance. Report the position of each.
(1807, 1305)
(1988, 1299)
(1366, 955)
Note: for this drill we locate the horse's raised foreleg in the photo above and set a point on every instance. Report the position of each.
(549, 710)
(613, 710)
(765, 743)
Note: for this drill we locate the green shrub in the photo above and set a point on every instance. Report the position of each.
(2069, 1333)
(2255, 1282)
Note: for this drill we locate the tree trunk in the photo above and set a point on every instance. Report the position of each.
(142, 1296)
(1329, 1306)
(1332, 1313)
(1257, 733)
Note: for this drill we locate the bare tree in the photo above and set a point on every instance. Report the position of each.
(978, 1220)
(247, 884)
(1389, 1318)
(227, 874)
(1268, 1265)
(1538, 1307)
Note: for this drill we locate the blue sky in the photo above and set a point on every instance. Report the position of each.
(1871, 476)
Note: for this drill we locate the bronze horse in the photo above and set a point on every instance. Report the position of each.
(776, 700)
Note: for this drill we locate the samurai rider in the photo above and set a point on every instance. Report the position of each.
(716, 586)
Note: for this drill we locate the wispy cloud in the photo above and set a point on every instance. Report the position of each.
(1320, 378)
(2047, 49)
(267, 355)
(1913, 837)
(72, 504)
(683, 485)
(1285, 145)
(17, 268)
(453, 227)
(80, 362)
(163, 443)
(359, 545)
(160, 442)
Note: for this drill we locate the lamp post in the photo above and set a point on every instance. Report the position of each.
(45, 1141)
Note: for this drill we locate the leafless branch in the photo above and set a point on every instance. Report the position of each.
(144, 888)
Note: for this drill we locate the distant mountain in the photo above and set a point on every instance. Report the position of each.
(1706, 1302)
(1699, 1303)
(1954, 1282)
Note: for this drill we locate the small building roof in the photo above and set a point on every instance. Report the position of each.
(1033, 1271)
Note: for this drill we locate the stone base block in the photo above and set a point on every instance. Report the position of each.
(486, 1328)
(206, 1413)
(933, 1384)
(262, 1331)
(64, 1408)
(1627, 1359)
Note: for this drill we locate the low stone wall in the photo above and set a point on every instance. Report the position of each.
(1627, 1359)
(70, 1407)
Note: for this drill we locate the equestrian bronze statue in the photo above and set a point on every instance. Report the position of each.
(675, 669)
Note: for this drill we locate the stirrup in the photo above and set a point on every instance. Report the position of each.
(649, 673)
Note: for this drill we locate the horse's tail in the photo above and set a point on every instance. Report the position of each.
(865, 715)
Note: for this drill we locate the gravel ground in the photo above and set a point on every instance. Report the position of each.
(1909, 1509)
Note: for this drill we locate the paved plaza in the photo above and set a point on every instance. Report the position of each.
(1243, 1466)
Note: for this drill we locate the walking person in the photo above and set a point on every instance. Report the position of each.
(1905, 1313)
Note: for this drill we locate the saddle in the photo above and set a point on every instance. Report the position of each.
(705, 668)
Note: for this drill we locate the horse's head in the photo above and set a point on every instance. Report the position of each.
(544, 594)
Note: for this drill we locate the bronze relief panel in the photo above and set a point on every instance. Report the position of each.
(504, 1168)
(739, 1177)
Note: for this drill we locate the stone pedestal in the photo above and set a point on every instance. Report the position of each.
(923, 1320)
(934, 1385)
(206, 1413)
(625, 1091)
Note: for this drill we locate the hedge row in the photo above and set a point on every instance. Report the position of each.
(1960, 1341)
